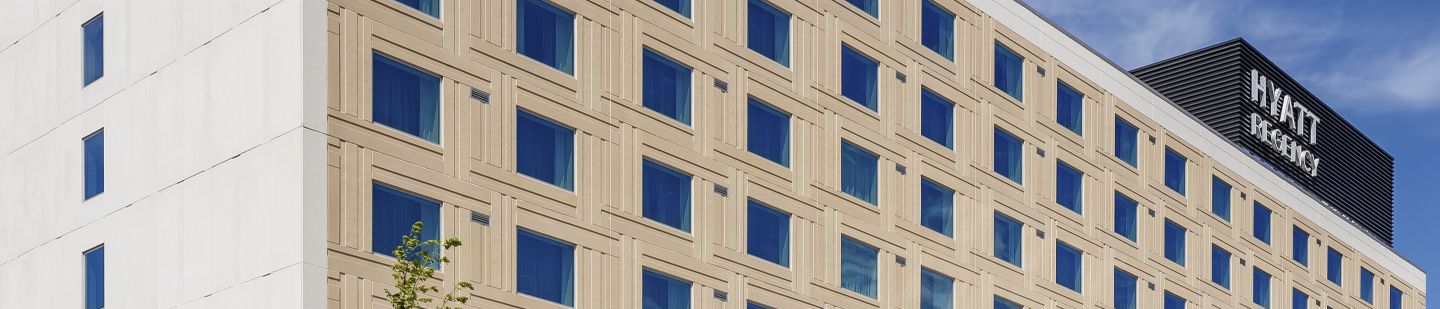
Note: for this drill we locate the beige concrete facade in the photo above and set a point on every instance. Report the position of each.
(472, 169)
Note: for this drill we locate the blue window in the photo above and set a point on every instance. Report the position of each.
(857, 267)
(1367, 285)
(666, 87)
(1125, 211)
(1124, 290)
(859, 78)
(1262, 223)
(1009, 161)
(545, 268)
(768, 134)
(1009, 72)
(1126, 135)
(1174, 302)
(858, 171)
(1174, 242)
(1069, 187)
(95, 278)
(936, 290)
(937, 207)
(769, 31)
(1300, 246)
(546, 33)
(667, 195)
(394, 211)
(937, 118)
(1397, 298)
(405, 98)
(871, 7)
(1001, 303)
(1220, 266)
(94, 31)
(679, 6)
(429, 7)
(664, 292)
(937, 29)
(1261, 288)
(768, 234)
(1070, 108)
(1298, 300)
(544, 150)
(753, 305)
(1220, 198)
(1007, 240)
(1174, 171)
(1333, 264)
(94, 163)
(1069, 266)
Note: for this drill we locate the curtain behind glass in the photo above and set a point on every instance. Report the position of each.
(937, 118)
(662, 292)
(1220, 198)
(1001, 303)
(857, 267)
(429, 7)
(1299, 300)
(1008, 160)
(1124, 290)
(1262, 223)
(936, 290)
(393, 214)
(666, 196)
(1262, 288)
(769, 31)
(1126, 135)
(937, 206)
(666, 86)
(545, 268)
(545, 150)
(1300, 246)
(1125, 211)
(1367, 285)
(1069, 184)
(1174, 171)
(546, 33)
(94, 31)
(768, 234)
(680, 6)
(95, 278)
(1069, 108)
(1397, 298)
(768, 134)
(869, 6)
(1008, 71)
(1333, 263)
(858, 78)
(858, 172)
(1220, 266)
(1007, 239)
(937, 29)
(1174, 302)
(1175, 243)
(1069, 266)
(94, 164)
(405, 99)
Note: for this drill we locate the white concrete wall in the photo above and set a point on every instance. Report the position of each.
(213, 116)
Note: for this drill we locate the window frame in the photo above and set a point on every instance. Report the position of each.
(1262, 223)
(521, 232)
(784, 256)
(1016, 154)
(687, 219)
(1220, 270)
(1078, 269)
(671, 281)
(785, 53)
(439, 217)
(846, 150)
(1133, 223)
(935, 276)
(1018, 235)
(1078, 127)
(685, 108)
(874, 271)
(751, 105)
(1219, 197)
(85, 49)
(1134, 139)
(93, 299)
(1180, 181)
(928, 8)
(92, 165)
(377, 57)
(1134, 292)
(1367, 285)
(1178, 240)
(1334, 266)
(558, 11)
(929, 102)
(1078, 176)
(567, 184)
(1260, 293)
(1019, 92)
(872, 96)
(948, 228)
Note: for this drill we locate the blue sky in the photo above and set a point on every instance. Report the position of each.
(1376, 62)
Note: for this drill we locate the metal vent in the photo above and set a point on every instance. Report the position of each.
(1151, 285)
(900, 260)
(722, 190)
(722, 296)
(1151, 211)
(482, 219)
(480, 95)
(1041, 152)
(722, 85)
(1242, 262)
(1242, 195)
(900, 168)
(1039, 233)
(1041, 70)
(1152, 139)
(900, 76)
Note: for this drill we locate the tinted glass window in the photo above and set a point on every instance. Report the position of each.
(545, 268)
(1008, 158)
(1070, 108)
(858, 173)
(94, 49)
(768, 134)
(395, 212)
(544, 150)
(858, 78)
(1174, 243)
(857, 267)
(936, 290)
(546, 33)
(1220, 198)
(768, 234)
(405, 98)
(1125, 211)
(664, 292)
(666, 195)
(1009, 72)
(94, 164)
(1126, 135)
(1008, 245)
(769, 31)
(1069, 187)
(1069, 266)
(937, 30)
(666, 87)
(1174, 171)
(937, 118)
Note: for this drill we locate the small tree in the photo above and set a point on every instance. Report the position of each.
(413, 268)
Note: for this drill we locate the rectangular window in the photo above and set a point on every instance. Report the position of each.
(1367, 286)
(753, 305)
(1009, 72)
(1069, 266)
(936, 290)
(1220, 198)
(859, 76)
(394, 212)
(1262, 223)
(1125, 211)
(1300, 246)
(769, 31)
(666, 87)
(94, 162)
(1007, 240)
(1397, 298)
(95, 278)
(937, 118)
(1174, 302)
(94, 49)
(768, 133)
(544, 150)
(1261, 288)
(667, 195)
(1124, 290)
(405, 98)
(858, 173)
(545, 268)
(1126, 137)
(1174, 171)
(857, 267)
(767, 235)
(871, 7)
(1001, 303)
(1333, 264)
(937, 29)
(1069, 187)
(429, 7)
(1070, 108)
(546, 33)
(1220, 266)
(679, 6)
(1298, 300)
(1009, 160)
(1174, 242)
(937, 207)
(664, 292)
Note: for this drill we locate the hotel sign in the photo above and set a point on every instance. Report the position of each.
(1283, 124)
